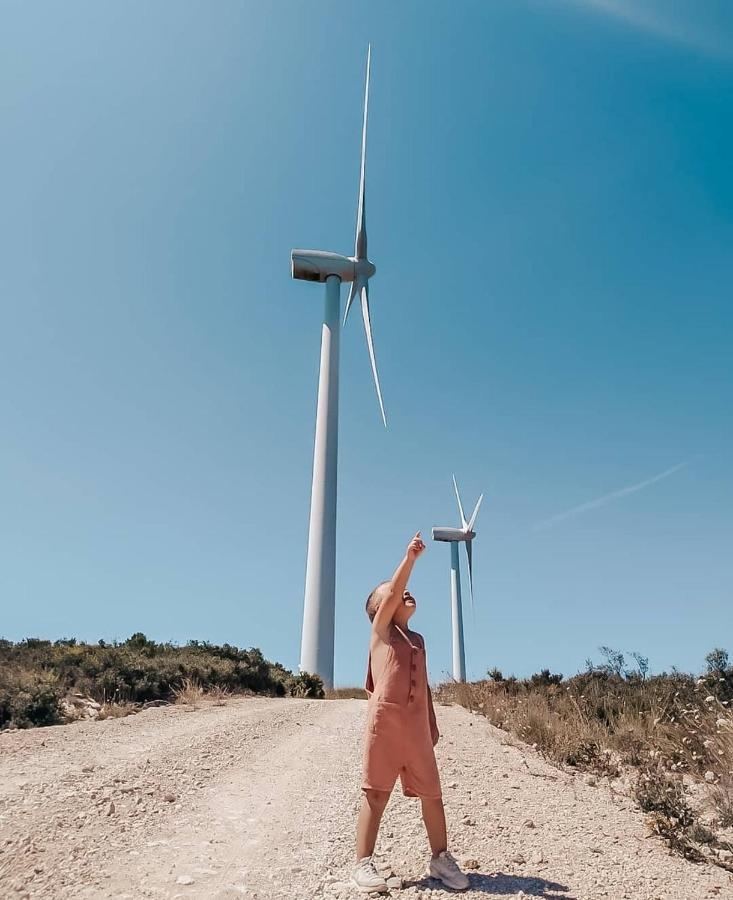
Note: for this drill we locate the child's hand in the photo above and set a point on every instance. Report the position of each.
(415, 547)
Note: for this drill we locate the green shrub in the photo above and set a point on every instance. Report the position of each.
(544, 678)
(35, 674)
(307, 685)
(29, 698)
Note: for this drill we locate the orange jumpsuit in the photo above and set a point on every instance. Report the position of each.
(401, 729)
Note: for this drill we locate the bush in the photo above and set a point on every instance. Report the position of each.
(717, 661)
(671, 817)
(29, 698)
(307, 685)
(36, 674)
(669, 727)
(544, 678)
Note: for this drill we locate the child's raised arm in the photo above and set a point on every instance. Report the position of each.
(395, 588)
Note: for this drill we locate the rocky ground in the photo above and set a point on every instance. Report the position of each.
(258, 799)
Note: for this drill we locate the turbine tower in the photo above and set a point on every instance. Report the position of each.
(316, 653)
(454, 536)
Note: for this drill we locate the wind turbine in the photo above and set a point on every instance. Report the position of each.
(316, 653)
(465, 534)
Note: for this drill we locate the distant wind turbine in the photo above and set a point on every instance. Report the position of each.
(465, 534)
(317, 647)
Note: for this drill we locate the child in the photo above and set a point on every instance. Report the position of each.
(401, 730)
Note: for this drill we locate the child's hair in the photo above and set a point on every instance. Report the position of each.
(374, 600)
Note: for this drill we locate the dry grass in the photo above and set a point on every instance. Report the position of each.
(562, 733)
(118, 710)
(218, 694)
(596, 723)
(670, 815)
(669, 730)
(721, 799)
(190, 693)
(346, 693)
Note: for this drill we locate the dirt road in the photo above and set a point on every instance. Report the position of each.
(258, 799)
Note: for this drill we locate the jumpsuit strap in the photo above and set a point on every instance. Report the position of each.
(414, 647)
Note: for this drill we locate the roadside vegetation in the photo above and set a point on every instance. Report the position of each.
(346, 693)
(50, 682)
(667, 739)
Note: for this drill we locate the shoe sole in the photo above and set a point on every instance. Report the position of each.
(369, 890)
(448, 887)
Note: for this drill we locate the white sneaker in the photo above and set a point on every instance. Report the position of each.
(366, 878)
(445, 868)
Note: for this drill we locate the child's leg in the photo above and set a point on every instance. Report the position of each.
(433, 816)
(370, 815)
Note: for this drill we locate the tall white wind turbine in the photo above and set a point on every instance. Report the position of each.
(465, 534)
(316, 654)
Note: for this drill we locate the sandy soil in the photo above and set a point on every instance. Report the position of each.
(259, 798)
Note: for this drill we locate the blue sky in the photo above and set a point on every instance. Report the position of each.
(550, 209)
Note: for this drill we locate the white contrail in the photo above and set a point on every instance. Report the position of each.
(607, 498)
(646, 17)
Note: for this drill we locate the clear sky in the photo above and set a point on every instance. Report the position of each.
(550, 209)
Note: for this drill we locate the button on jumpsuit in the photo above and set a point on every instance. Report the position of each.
(401, 729)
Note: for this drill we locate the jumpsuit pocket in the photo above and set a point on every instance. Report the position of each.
(382, 714)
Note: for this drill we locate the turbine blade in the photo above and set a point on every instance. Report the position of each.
(352, 294)
(360, 244)
(469, 554)
(370, 344)
(474, 513)
(464, 524)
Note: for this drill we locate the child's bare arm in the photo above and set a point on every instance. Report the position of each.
(395, 588)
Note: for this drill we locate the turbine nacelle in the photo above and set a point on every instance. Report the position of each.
(318, 265)
(452, 534)
(465, 534)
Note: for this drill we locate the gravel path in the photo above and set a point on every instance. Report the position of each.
(258, 799)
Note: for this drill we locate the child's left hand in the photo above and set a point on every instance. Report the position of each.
(415, 547)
